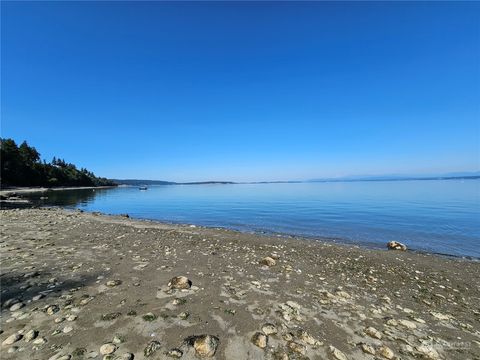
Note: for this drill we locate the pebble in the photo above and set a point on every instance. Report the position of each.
(151, 347)
(368, 349)
(337, 354)
(296, 347)
(260, 340)
(408, 324)
(127, 356)
(269, 329)
(12, 339)
(371, 331)
(112, 283)
(180, 282)
(16, 306)
(52, 309)
(175, 353)
(31, 335)
(107, 349)
(268, 261)
(71, 317)
(386, 352)
(40, 341)
(67, 329)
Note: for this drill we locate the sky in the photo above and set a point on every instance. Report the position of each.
(244, 91)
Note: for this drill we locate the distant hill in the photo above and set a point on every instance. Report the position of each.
(445, 176)
(139, 182)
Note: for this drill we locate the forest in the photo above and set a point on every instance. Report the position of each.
(21, 166)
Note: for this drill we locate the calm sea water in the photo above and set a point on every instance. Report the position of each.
(434, 216)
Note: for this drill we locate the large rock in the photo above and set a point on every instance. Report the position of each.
(180, 282)
(204, 345)
(395, 245)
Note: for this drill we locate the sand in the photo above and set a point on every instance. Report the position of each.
(80, 285)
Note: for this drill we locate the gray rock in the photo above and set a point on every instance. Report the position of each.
(180, 282)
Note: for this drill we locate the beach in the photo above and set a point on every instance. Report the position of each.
(78, 285)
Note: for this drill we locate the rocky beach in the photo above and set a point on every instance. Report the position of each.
(78, 285)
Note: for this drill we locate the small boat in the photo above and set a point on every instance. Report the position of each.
(143, 188)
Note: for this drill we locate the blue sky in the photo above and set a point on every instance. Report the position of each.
(244, 91)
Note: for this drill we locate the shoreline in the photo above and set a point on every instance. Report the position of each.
(110, 274)
(29, 190)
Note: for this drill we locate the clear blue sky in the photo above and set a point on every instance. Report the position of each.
(244, 91)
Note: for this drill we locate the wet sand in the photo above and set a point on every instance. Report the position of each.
(79, 285)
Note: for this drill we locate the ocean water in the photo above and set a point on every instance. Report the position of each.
(440, 216)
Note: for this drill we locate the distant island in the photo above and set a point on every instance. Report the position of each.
(21, 166)
(139, 182)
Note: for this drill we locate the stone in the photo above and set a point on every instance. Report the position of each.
(107, 349)
(40, 341)
(67, 329)
(180, 282)
(386, 352)
(204, 345)
(16, 306)
(30, 335)
(174, 353)
(71, 317)
(268, 261)
(374, 333)
(337, 354)
(127, 356)
(151, 347)
(408, 324)
(112, 283)
(395, 245)
(368, 349)
(12, 339)
(269, 329)
(52, 309)
(296, 347)
(259, 339)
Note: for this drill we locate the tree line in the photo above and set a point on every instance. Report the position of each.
(21, 166)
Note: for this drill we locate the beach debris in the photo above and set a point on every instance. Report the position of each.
(395, 245)
(151, 347)
(179, 282)
(268, 261)
(204, 345)
(260, 340)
